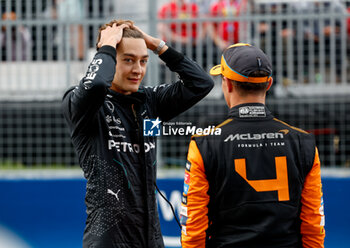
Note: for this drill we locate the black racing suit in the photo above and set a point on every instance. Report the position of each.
(119, 163)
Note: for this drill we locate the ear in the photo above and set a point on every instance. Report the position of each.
(270, 84)
(228, 83)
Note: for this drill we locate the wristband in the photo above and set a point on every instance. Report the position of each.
(160, 46)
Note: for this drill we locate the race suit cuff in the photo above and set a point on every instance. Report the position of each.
(108, 50)
(171, 56)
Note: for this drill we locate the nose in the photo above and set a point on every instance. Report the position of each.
(137, 68)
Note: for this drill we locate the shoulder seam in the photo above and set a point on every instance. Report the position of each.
(224, 123)
(295, 128)
(67, 91)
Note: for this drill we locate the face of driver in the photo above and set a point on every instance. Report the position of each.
(132, 57)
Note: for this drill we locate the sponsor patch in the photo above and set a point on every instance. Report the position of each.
(187, 178)
(186, 187)
(128, 147)
(184, 200)
(285, 131)
(254, 136)
(322, 223)
(183, 220)
(87, 84)
(93, 68)
(110, 105)
(108, 118)
(184, 230)
(188, 166)
(183, 211)
(252, 111)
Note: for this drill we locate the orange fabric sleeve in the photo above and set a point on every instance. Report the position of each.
(194, 210)
(312, 211)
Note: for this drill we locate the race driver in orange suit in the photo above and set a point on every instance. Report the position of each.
(258, 183)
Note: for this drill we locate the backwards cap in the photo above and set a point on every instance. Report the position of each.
(240, 60)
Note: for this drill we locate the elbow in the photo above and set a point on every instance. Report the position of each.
(209, 85)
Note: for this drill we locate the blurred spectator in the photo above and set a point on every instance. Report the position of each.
(183, 31)
(324, 30)
(68, 10)
(203, 6)
(322, 26)
(15, 43)
(275, 33)
(225, 33)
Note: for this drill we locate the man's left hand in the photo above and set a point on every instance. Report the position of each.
(152, 42)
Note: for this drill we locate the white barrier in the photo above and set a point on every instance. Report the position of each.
(33, 80)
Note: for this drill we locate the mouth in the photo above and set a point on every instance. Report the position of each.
(134, 80)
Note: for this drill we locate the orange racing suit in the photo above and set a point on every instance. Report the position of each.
(257, 184)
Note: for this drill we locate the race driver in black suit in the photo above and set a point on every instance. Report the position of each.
(105, 115)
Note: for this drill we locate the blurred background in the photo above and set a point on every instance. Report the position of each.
(46, 46)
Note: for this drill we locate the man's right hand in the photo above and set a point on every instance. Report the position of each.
(112, 35)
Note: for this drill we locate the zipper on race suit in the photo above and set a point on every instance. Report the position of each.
(135, 117)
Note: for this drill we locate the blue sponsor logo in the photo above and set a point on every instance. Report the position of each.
(186, 187)
(151, 127)
(183, 220)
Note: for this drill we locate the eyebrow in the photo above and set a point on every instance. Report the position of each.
(133, 55)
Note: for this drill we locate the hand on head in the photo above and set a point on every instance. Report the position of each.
(112, 34)
(150, 41)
